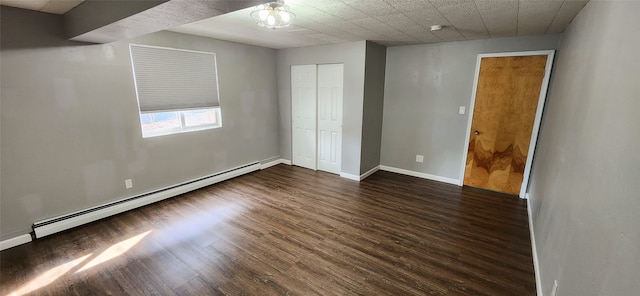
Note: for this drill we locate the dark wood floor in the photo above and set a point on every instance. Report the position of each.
(291, 231)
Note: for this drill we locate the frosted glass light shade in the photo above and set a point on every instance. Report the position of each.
(273, 15)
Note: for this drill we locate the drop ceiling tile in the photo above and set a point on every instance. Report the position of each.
(315, 26)
(314, 3)
(349, 26)
(362, 32)
(368, 23)
(389, 43)
(393, 18)
(376, 37)
(426, 36)
(387, 31)
(310, 13)
(344, 12)
(404, 37)
(302, 31)
(565, 15)
(500, 17)
(345, 36)
(535, 17)
(466, 18)
(444, 3)
(410, 5)
(428, 17)
(449, 34)
(399, 22)
(373, 7)
(408, 28)
(377, 27)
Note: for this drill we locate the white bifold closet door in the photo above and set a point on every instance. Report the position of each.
(303, 105)
(316, 94)
(330, 82)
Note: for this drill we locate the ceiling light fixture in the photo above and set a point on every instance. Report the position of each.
(436, 28)
(273, 15)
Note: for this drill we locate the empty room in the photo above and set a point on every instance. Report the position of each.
(307, 147)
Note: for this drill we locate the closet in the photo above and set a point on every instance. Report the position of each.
(316, 103)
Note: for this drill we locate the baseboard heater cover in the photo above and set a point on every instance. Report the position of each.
(64, 222)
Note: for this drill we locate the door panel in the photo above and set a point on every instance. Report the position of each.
(505, 107)
(330, 86)
(303, 105)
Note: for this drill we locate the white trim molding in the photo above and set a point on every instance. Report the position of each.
(350, 176)
(369, 172)
(64, 222)
(286, 161)
(267, 165)
(361, 177)
(534, 248)
(536, 124)
(420, 175)
(16, 241)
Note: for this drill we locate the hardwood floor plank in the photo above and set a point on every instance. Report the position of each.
(291, 231)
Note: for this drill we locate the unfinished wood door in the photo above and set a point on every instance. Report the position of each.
(506, 101)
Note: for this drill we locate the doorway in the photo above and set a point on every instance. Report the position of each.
(316, 101)
(509, 94)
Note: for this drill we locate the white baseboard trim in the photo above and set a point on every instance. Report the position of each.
(534, 248)
(60, 223)
(420, 175)
(361, 177)
(274, 163)
(350, 176)
(369, 173)
(16, 241)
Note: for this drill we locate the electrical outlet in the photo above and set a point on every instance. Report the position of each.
(419, 158)
(461, 110)
(128, 183)
(554, 291)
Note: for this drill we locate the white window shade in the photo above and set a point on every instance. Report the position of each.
(174, 79)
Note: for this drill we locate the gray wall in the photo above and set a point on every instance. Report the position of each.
(70, 125)
(375, 61)
(353, 56)
(584, 189)
(425, 85)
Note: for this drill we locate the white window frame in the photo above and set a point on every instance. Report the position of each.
(183, 128)
(181, 112)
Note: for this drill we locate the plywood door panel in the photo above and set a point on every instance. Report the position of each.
(303, 105)
(506, 102)
(330, 86)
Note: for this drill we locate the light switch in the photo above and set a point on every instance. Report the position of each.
(461, 110)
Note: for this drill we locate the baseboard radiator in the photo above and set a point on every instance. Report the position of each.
(64, 222)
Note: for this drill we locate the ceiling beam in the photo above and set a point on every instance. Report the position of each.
(101, 21)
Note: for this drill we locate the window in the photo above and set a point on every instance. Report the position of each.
(177, 90)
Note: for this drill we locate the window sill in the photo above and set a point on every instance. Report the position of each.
(178, 131)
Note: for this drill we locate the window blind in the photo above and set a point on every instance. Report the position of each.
(173, 79)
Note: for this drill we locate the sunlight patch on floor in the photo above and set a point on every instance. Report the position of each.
(53, 274)
(48, 277)
(114, 251)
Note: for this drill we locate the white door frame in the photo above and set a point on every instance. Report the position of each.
(536, 123)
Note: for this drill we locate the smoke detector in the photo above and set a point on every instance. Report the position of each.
(436, 28)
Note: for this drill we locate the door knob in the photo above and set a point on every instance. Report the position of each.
(476, 133)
